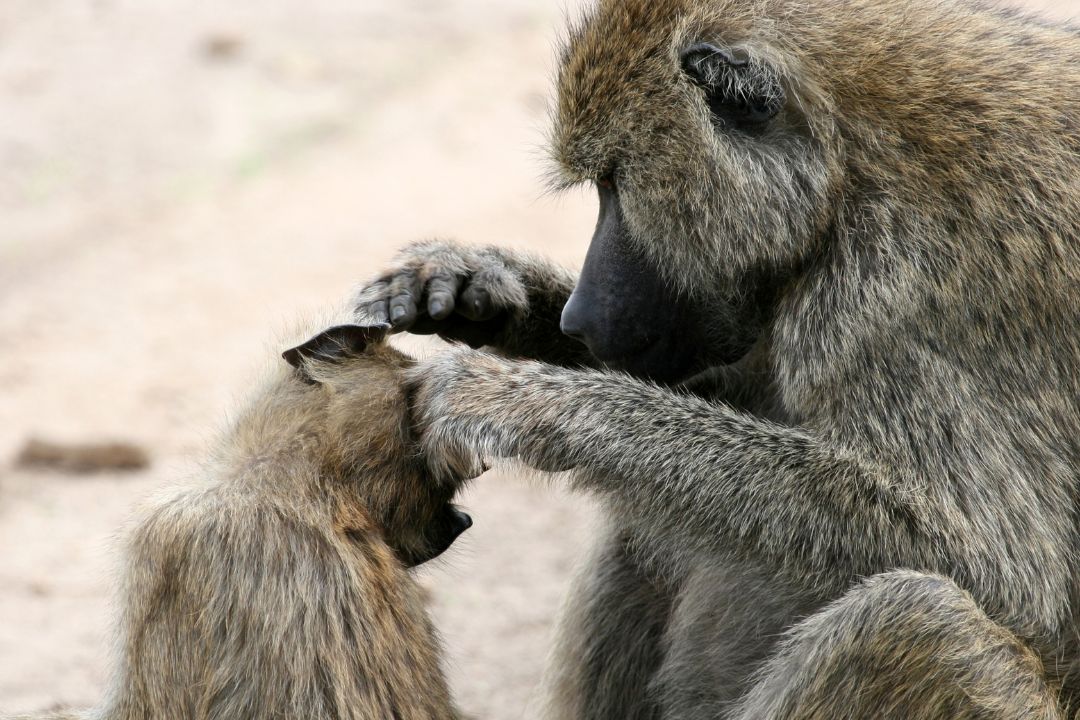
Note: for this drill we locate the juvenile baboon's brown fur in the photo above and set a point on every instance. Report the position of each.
(902, 219)
(274, 587)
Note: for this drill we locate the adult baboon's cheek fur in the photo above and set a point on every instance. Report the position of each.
(754, 209)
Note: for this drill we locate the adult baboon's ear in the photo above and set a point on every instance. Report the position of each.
(336, 343)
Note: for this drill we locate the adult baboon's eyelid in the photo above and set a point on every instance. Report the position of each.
(725, 55)
(699, 52)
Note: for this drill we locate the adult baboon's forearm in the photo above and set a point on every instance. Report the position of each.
(717, 477)
(714, 478)
(726, 481)
(535, 333)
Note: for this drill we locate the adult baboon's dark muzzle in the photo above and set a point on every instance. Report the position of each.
(622, 309)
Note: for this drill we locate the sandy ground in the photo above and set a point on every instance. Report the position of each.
(179, 179)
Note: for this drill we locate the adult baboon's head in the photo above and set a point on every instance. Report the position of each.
(713, 171)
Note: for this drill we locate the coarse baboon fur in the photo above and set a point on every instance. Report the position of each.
(853, 230)
(277, 586)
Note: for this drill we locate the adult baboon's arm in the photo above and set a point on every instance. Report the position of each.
(712, 478)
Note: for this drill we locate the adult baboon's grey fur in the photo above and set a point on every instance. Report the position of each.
(277, 587)
(866, 218)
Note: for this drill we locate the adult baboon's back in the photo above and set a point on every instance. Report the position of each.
(853, 231)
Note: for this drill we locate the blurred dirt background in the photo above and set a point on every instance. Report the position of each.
(179, 180)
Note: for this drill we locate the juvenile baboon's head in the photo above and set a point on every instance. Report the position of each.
(367, 442)
(698, 130)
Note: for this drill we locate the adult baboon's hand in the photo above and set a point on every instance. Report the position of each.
(439, 287)
(476, 408)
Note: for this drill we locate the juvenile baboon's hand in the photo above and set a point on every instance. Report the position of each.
(459, 292)
(474, 407)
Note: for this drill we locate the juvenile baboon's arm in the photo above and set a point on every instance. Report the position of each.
(507, 300)
(713, 478)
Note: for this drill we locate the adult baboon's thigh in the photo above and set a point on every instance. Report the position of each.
(901, 645)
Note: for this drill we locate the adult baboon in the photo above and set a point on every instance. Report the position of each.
(277, 586)
(839, 248)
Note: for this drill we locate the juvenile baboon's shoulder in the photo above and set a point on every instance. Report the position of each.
(220, 528)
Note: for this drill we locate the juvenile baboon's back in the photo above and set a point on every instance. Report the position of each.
(248, 608)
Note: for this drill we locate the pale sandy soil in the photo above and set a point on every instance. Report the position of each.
(164, 212)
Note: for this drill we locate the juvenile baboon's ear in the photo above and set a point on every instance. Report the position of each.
(336, 343)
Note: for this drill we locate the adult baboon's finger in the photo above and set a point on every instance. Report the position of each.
(475, 304)
(442, 290)
(371, 303)
(404, 293)
(376, 312)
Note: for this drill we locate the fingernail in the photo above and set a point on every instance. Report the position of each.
(397, 313)
(436, 307)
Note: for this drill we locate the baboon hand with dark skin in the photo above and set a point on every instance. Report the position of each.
(838, 261)
(483, 296)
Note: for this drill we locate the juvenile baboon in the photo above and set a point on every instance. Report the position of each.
(277, 587)
(839, 248)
